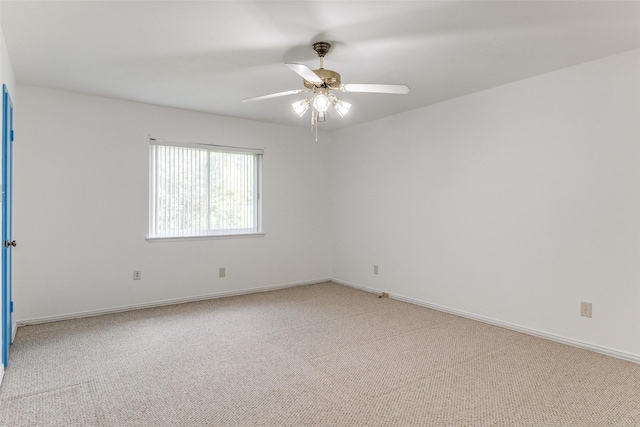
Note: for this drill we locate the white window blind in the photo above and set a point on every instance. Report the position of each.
(200, 190)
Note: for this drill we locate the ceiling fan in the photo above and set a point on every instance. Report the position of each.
(321, 83)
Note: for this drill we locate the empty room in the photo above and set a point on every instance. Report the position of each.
(320, 213)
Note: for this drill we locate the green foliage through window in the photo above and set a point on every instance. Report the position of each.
(201, 190)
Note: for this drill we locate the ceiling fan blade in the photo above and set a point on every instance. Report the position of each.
(374, 88)
(305, 72)
(274, 95)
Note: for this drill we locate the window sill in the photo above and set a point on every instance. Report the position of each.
(205, 237)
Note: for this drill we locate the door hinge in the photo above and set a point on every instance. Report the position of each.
(11, 307)
(12, 135)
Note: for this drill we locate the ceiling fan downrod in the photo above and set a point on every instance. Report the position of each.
(321, 48)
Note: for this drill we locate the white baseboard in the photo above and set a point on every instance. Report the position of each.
(1, 373)
(14, 331)
(358, 287)
(119, 309)
(518, 328)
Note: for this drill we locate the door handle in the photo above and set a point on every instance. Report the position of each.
(10, 243)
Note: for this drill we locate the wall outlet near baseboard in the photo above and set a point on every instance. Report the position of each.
(585, 309)
(222, 272)
(375, 269)
(137, 274)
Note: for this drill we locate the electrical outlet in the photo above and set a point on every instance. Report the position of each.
(585, 309)
(375, 269)
(137, 274)
(222, 272)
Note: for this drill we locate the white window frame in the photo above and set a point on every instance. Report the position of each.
(208, 233)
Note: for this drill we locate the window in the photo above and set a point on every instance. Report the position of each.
(203, 190)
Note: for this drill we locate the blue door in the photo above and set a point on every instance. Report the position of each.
(7, 239)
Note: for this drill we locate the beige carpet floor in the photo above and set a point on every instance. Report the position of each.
(317, 355)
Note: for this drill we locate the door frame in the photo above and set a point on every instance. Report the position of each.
(7, 203)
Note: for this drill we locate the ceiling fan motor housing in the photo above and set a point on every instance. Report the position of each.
(330, 78)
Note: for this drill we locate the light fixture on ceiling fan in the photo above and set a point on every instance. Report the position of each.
(321, 82)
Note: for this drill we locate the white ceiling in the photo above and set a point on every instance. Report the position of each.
(208, 55)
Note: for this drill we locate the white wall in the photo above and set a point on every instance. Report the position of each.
(512, 205)
(81, 207)
(6, 70)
